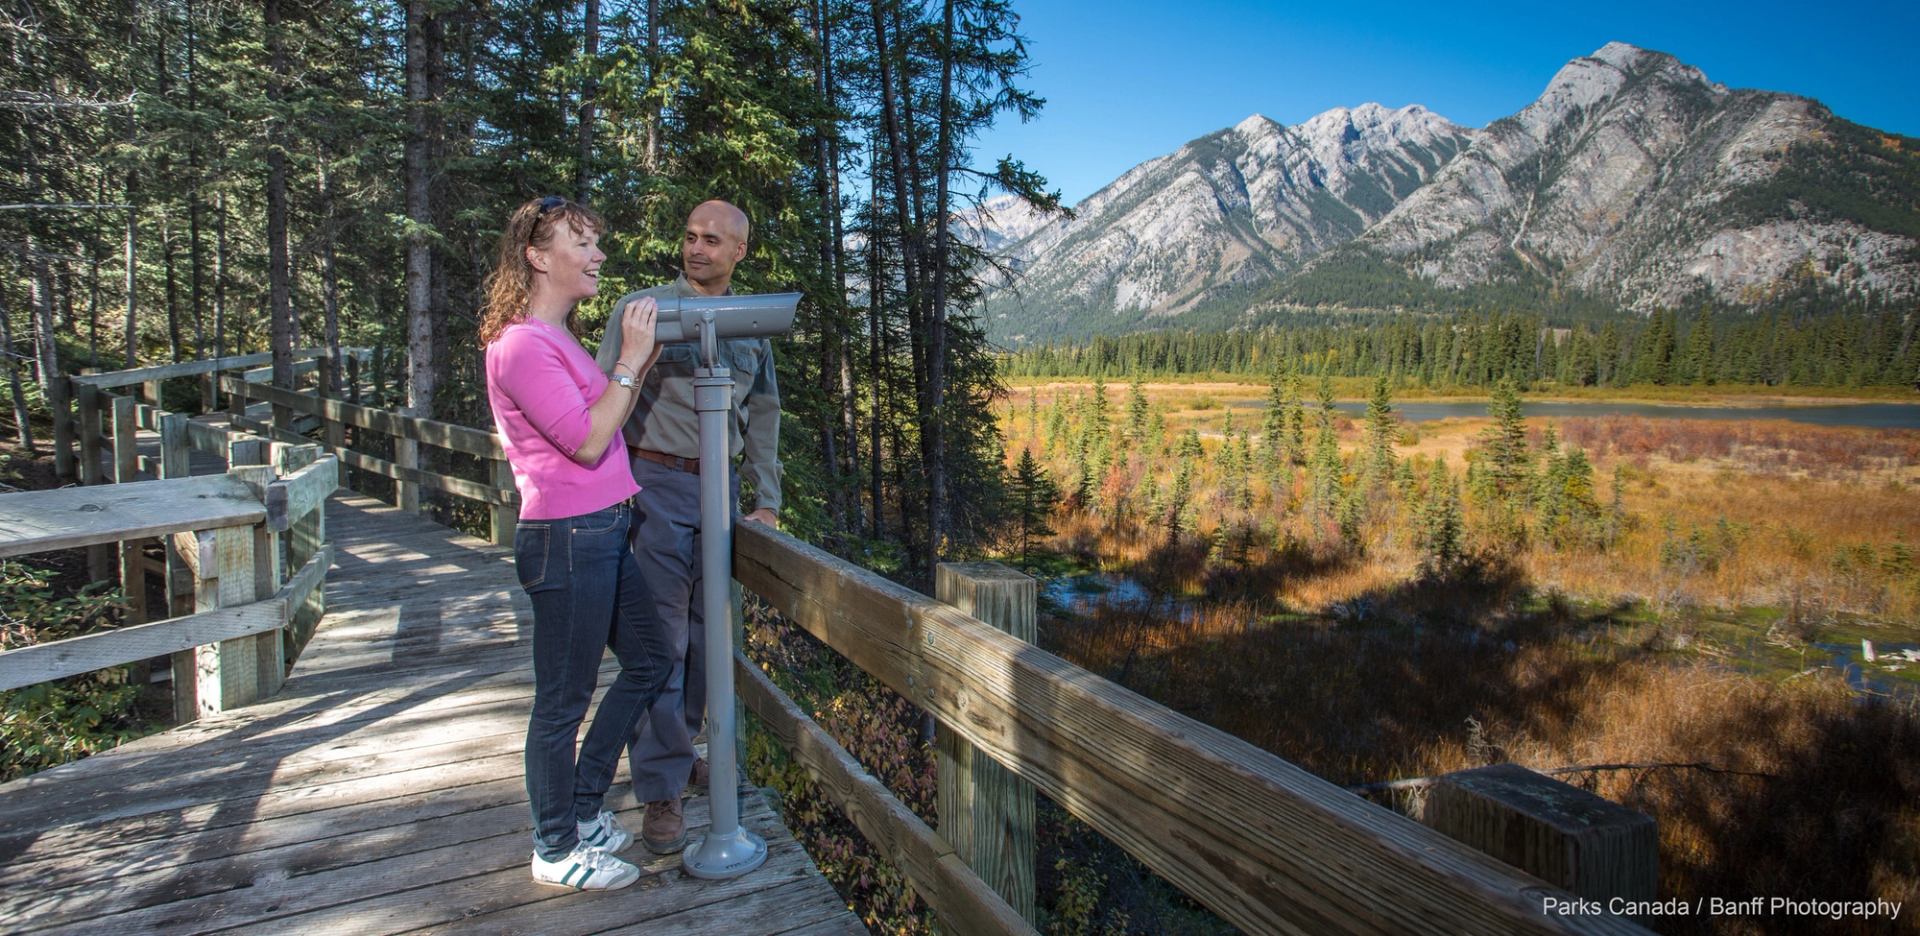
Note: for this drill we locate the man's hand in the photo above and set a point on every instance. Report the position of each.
(765, 517)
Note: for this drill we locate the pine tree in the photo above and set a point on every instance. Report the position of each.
(1296, 421)
(1442, 527)
(1232, 471)
(1136, 413)
(1325, 467)
(1273, 427)
(1503, 462)
(1616, 523)
(1382, 433)
(1033, 497)
(1243, 456)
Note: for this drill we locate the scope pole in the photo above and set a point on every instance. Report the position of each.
(727, 851)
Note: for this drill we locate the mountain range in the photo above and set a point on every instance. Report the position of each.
(1632, 183)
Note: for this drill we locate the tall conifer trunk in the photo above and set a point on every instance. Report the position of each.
(934, 419)
(421, 385)
(583, 179)
(279, 287)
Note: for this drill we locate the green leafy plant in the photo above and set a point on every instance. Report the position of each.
(54, 722)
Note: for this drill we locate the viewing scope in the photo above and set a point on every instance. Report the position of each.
(758, 316)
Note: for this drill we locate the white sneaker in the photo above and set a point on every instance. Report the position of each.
(605, 833)
(588, 868)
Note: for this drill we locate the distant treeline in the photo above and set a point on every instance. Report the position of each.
(1876, 349)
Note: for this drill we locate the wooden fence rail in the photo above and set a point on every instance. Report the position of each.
(1263, 843)
(227, 648)
(498, 494)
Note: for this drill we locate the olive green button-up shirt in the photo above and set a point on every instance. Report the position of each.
(665, 421)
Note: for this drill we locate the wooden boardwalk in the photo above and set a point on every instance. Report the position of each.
(380, 792)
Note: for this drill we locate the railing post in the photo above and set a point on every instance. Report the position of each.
(237, 401)
(986, 812)
(307, 536)
(174, 463)
(406, 494)
(126, 466)
(352, 434)
(59, 389)
(150, 392)
(379, 375)
(504, 517)
(1567, 836)
(331, 431)
(231, 673)
(99, 558)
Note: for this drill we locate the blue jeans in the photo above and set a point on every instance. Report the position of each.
(587, 596)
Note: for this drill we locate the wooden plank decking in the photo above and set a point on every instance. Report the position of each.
(380, 792)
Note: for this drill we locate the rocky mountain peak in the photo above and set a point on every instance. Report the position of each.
(1591, 80)
(1256, 125)
(1632, 179)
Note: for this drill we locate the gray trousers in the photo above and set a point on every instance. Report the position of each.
(666, 544)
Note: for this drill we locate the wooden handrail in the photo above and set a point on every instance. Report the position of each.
(961, 899)
(140, 375)
(446, 435)
(38, 663)
(222, 535)
(1263, 843)
(38, 521)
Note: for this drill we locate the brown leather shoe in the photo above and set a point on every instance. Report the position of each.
(664, 828)
(697, 778)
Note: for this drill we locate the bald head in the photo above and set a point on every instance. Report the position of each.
(723, 213)
(715, 241)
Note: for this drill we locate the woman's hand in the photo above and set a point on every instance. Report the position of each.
(637, 346)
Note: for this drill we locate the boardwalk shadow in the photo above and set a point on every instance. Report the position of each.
(391, 676)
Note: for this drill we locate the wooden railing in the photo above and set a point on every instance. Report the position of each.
(1261, 842)
(222, 533)
(349, 424)
(409, 433)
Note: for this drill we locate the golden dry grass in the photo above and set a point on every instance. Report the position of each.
(1349, 664)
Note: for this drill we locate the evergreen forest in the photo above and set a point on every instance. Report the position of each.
(1870, 348)
(193, 178)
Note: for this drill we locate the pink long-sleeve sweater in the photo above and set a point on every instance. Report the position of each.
(540, 383)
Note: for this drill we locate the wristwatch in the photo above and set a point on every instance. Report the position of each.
(624, 381)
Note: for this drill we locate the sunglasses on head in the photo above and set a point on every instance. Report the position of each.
(551, 202)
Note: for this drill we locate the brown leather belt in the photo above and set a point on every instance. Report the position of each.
(688, 465)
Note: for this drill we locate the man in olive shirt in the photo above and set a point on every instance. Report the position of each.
(663, 442)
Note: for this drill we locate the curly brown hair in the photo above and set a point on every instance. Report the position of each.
(511, 281)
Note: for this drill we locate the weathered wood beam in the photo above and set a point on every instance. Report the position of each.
(1265, 844)
(957, 895)
(27, 666)
(985, 810)
(140, 375)
(38, 521)
(463, 439)
(459, 487)
(301, 493)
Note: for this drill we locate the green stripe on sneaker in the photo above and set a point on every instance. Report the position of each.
(566, 878)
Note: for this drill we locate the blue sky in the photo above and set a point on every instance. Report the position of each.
(1128, 80)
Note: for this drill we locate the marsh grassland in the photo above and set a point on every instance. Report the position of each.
(1677, 604)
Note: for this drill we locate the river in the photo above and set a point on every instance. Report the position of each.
(1865, 415)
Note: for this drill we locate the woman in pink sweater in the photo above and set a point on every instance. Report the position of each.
(559, 420)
